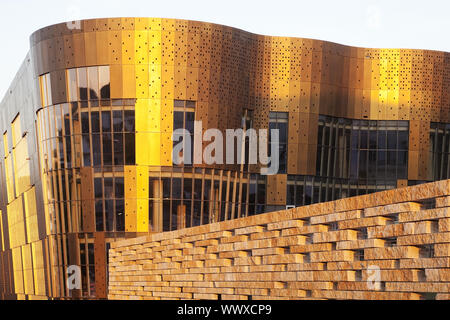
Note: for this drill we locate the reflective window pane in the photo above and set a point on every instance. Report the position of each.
(93, 83)
(82, 84)
(129, 120)
(130, 149)
(104, 82)
(95, 122)
(106, 121)
(118, 149)
(118, 120)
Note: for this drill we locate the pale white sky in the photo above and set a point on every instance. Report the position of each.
(414, 24)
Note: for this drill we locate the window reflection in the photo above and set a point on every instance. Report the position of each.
(129, 120)
(86, 150)
(93, 83)
(96, 155)
(104, 82)
(95, 122)
(118, 149)
(85, 122)
(98, 188)
(109, 190)
(71, 75)
(439, 156)
(183, 118)
(279, 121)
(106, 121)
(109, 215)
(119, 187)
(103, 131)
(362, 149)
(129, 149)
(120, 215)
(82, 84)
(107, 149)
(118, 120)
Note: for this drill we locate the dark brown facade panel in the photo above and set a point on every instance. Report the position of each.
(87, 199)
(100, 265)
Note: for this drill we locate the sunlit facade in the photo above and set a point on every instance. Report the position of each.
(87, 136)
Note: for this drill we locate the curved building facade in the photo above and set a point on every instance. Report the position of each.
(87, 136)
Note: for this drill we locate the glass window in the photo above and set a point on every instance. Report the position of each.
(71, 75)
(104, 82)
(86, 151)
(299, 193)
(196, 215)
(439, 156)
(363, 138)
(178, 103)
(392, 139)
(308, 190)
(95, 122)
(166, 187)
(198, 189)
(290, 194)
(98, 188)
(66, 119)
(402, 164)
(188, 212)
(82, 84)
(119, 187)
(129, 120)
(176, 188)
(372, 139)
(106, 121)
(189, 121)
(177, 120)
(279, 121)
(187, 188)
(109, 190)
(378, 150)
(99, 215)
(261, 193)
(120, 215)
(382, 135)
(190, 104)
(109, 214)
(130, 149)
(118, 120)
(93, 83)
(96, 146)
(68, 151)
(82, 253)
(403, 140)
(107, 149)
(85, 122)
(118, 149)
(176, 206)
(183, 118)
(166, 215)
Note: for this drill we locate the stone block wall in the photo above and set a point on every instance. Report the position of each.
(388, 245)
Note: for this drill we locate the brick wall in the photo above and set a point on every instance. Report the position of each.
(388, 245)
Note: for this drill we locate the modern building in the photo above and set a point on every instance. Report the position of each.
(87, 125)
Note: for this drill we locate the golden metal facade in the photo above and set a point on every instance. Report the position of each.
(49, 204)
